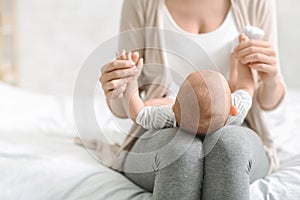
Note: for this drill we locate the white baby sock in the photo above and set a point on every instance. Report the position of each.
(156, 117)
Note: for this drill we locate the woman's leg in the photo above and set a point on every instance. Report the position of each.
(236, 160)
(174, 170)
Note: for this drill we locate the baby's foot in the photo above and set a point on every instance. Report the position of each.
(243, 38)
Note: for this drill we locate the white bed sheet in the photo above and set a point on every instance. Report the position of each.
(38, 159)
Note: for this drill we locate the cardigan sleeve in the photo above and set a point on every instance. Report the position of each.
(268, 22)
(139, 21)
(132, 21)
(273, 38)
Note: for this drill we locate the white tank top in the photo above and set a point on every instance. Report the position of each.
(218, 45)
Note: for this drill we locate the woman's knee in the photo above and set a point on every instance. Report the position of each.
(170, 154)
(168, 145)
(180, 147)
(232, 141)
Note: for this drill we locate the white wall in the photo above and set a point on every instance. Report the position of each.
(289, 40)
(55, 36)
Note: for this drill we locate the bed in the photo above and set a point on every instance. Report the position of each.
(39, 160)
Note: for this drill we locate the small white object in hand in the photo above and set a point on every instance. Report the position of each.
(254, 32)
(251, 32)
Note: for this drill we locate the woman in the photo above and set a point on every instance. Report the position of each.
(238, 158)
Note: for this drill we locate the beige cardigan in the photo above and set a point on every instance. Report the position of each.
(148, 13)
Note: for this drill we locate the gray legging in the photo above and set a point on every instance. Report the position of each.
(236, 160)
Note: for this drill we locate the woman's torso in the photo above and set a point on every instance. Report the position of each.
(217, 45)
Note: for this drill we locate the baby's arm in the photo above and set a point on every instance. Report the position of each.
(242, 97)
(131, 94)
(244, 74)
(152, 114)
(242, 101)
(156, 117)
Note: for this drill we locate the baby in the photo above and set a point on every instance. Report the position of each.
(203, 105)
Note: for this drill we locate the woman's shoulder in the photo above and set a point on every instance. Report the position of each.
(258, 13)
(253, 6)
(139, 13)
(252, 2)
(142, 3)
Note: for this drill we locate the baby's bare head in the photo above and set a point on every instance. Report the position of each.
(203, 102)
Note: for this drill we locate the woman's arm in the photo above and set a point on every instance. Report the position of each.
(116, 74)
(114, 79)
(271, 93)
(261, 56)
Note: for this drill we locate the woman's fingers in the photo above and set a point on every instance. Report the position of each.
(118, 74)
(254, 49)
(269, 69)
(258, 58)
(251, 43)
(104, 67)
(117, 64)
(116, 83)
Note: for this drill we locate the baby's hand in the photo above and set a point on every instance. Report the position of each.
(135, 57)
(132, 85)
(243, 38)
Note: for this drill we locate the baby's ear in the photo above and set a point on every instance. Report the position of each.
(233, 111)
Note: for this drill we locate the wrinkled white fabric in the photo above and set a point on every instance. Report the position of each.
(243, 102)
(156, 117)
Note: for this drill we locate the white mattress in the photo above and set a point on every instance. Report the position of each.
(38, 159)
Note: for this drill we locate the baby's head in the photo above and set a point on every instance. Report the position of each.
(203, 102)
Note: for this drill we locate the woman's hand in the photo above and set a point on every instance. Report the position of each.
(260, 56)
(134, 57)
(116, 75)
